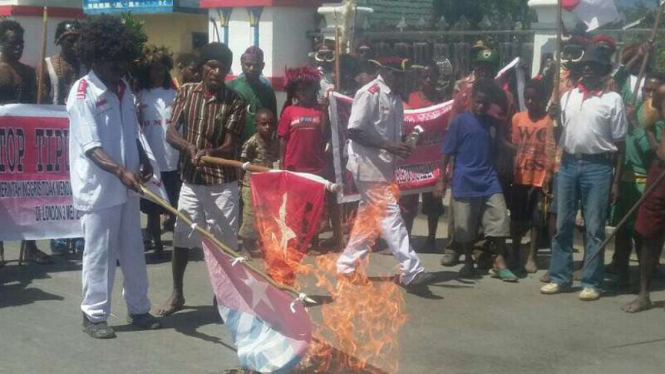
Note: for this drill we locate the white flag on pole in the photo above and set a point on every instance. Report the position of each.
(594, 13)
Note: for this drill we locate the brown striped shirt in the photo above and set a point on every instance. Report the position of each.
(204, 121)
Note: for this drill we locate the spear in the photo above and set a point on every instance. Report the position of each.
(645, 60)
(40, 73)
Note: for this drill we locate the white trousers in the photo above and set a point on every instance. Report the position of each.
(113, 234)
(214, 208)
(393, 230)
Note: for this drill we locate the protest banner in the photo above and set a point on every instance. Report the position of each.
(35, 189)
(416, 174)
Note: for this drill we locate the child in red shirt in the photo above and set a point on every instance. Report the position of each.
(301, 128)
(303, 134)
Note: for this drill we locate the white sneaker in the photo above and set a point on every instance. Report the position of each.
(589, 294)
(550, 289)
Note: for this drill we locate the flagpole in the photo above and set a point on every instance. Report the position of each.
(645, 60)
(559, 42)
(40, 73)
(332, 187)
(222, 247)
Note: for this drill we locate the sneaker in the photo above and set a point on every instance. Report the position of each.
(551, 289)
(97, 330)
(589, 294)
(144, 321)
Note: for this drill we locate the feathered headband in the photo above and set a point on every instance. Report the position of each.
(304, 74)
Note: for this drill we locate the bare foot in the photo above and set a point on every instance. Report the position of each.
(641, 303)
(172, 305)
(531, 266)
(577, 274)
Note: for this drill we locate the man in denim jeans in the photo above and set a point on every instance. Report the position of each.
(594, 125)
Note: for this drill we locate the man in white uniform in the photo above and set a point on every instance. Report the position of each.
(375, 133)
(107, 161)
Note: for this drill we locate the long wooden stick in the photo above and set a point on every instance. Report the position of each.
(338, 62)
(221, 246)
(559, 43)
(630, 213)
(645, 60)
(42, 62)
(234, 164)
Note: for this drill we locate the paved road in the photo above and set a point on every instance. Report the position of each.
(483, 326)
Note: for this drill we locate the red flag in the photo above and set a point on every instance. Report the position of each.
(594, 13)
(287, 210)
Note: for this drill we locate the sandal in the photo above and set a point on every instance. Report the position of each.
(504, 274)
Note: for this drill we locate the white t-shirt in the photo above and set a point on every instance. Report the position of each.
(593, 125)
(155, 107)
(100, 118)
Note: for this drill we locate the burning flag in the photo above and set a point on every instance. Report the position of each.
(594, 13)
(287, 210)
(270, 327)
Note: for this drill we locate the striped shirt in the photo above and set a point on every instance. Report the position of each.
(204, 121)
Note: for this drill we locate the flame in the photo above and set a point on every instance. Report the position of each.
(359, 328)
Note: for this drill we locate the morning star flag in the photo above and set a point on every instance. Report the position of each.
(287, 212)
(594, 13)
(270, 327)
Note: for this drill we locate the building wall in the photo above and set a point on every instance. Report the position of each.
(51, 3)
(173, 30)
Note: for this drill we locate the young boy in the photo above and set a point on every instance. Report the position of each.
(533, 141)
(644, 129)
(477, 196)
(260, 149)
(303, 134)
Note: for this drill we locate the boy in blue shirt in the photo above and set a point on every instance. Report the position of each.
(477, 196)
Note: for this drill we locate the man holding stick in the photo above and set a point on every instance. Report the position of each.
(594, 125)
(107, 160)
(211, 117)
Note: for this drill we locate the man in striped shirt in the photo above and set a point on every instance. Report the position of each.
(207, 120)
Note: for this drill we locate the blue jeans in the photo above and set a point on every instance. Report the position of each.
(588, 181)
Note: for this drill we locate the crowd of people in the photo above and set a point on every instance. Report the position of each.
(580, 154)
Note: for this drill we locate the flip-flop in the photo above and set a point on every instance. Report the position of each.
(504, 274)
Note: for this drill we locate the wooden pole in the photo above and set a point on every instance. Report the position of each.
(559, 47)
(220, 246)
(338, 62)
(630, 213)
(645, 60)
(42, 62)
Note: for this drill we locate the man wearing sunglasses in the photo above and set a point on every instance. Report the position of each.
(594, 126)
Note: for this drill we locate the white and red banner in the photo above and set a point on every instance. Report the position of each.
(416, 174)
(287, 211)
(35, 190)
(594, 13)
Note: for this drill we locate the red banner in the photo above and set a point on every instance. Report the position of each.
(416, 174)
(287, 210)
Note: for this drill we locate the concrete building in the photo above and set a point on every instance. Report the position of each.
(279, 27)
(179, 25)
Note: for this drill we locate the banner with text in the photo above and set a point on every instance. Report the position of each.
(35, 191)
(416, 174)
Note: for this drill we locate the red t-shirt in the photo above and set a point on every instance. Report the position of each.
(302, 128)
(418, 100)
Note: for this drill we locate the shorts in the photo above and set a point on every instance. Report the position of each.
(172, 183)
(214, 208)
(651, 218)
(630, 193)
(526, 206)
(431, 207)
(471, 213)
(247, 229)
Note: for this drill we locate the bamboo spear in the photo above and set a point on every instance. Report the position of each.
(220, 246)
(40, 73)
(645, 60)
